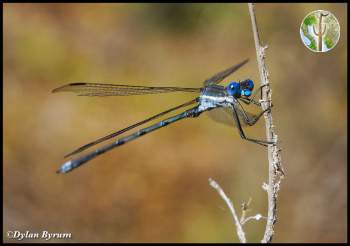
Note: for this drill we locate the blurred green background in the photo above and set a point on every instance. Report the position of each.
(156, 189)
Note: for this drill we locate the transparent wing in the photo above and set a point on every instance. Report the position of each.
(221, 115)
(224, 116)
(98, 89)
(217, 78)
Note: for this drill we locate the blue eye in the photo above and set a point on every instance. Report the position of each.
(233, 89)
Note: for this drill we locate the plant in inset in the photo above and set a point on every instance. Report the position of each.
(320, 33)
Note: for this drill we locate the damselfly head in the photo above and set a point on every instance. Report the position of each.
(243, 88)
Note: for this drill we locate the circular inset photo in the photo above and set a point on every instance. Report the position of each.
(320, 31)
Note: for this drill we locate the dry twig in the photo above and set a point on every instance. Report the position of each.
(240, 232)
(274, 157)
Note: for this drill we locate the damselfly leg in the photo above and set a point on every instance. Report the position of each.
(248, 121)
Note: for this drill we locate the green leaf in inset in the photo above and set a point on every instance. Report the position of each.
(312, 45)
(328, 41)
(310, 20)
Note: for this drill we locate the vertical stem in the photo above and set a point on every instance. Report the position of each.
(275, 168)
(320, 33)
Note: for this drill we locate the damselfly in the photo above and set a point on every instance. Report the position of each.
(211, 96)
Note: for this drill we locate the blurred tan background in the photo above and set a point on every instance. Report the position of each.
(156, 189)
